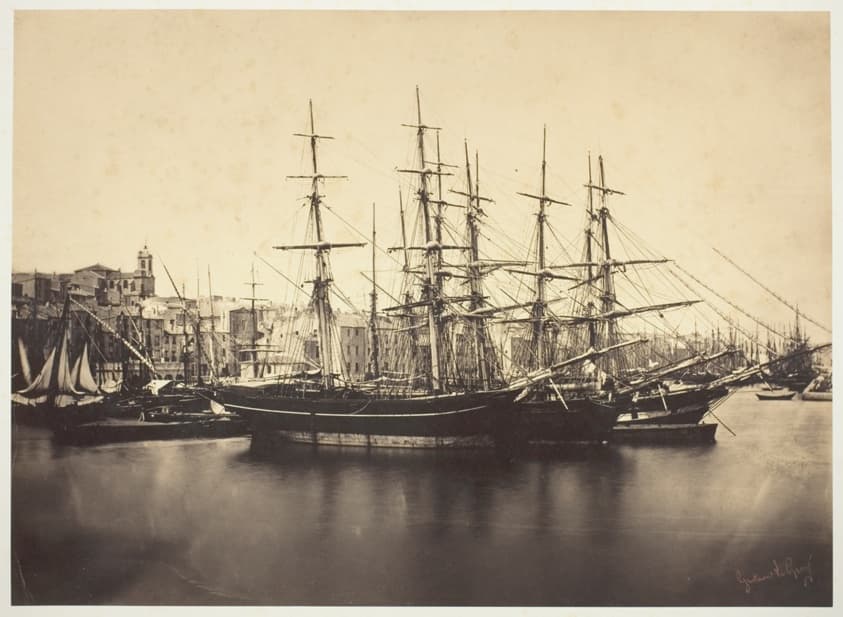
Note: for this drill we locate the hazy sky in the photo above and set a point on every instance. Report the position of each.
(174, 129)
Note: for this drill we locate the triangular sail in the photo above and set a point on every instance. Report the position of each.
(26, 369)
(74, 371)
(56, 379)
(41, 383)
(84, 378)
(64, 383)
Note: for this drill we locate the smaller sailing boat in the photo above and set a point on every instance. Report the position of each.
(61, 390)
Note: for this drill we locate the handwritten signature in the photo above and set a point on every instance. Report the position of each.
(784, 569)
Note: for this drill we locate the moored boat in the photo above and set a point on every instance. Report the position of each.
(691, 414)
(816, 396)
(447, 420)
(819, 389)
(340, 413)
(698, 395)
(579, 421)
(664, 434)
(775, 395)
(111, 430)
(63, 391)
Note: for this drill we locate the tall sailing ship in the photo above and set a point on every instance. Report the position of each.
(329, 408)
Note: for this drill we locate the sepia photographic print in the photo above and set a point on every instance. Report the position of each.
(428, 307)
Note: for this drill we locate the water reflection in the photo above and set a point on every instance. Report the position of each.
(210, 522)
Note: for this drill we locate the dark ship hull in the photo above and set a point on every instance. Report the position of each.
(46, 415)
(691, 414)
(549, 422)
(478, 419)
(666, 434)
(112, 430)
(676, 400)
(111, 406)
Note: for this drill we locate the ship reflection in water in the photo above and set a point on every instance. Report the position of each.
(744, 521)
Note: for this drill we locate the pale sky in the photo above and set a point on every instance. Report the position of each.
(174, 129)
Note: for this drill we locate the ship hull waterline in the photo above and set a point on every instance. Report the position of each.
(476, 420)
(667, 434)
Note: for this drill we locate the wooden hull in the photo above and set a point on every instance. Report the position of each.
(113, 406)
(816, 396)
(676, 400)
(664, 434)
(112, 431)
(48, 416)
(548, 422)
(775, 396)
(463, 420)
(686, 415)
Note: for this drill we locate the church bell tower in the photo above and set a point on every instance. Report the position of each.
(144, 275)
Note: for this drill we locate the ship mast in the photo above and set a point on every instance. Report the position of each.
(254, 316)
(540, 356)
(538, 307)
(213, 359)
(607, 265)
(472, 219)
(592, 326)
(608, 279)
(197, 328)
(322, 248)
(414, 347)
(374, 355)
(432, 248)
(185, 354)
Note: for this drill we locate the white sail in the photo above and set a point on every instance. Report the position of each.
(84, 378)
(64, 375)
(74, 371)
(41, 383)
(55, 380)
(26, 370)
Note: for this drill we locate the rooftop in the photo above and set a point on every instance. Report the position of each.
(97, 267)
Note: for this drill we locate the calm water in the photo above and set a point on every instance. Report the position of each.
(212, 522)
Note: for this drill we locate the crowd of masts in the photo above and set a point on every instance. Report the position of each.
(430, 337)
(442, 339)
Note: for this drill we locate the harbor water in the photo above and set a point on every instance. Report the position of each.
(744, 521)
